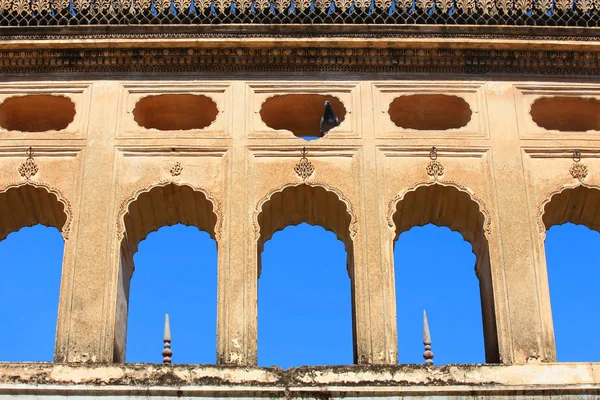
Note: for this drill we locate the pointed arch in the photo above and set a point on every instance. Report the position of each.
(456, 207)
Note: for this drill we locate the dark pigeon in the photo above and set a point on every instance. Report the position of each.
(328, 120)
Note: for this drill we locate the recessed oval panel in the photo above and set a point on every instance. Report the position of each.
(569, 114)
(36, 113)
(436, 112)
(299, 113)
(175, 112)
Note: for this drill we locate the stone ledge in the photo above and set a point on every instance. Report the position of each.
(401, 378)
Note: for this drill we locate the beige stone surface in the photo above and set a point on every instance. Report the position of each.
(107, 182)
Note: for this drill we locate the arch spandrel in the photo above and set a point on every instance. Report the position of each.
(481, 208)
(353, 223)
(48, 207)
(183, 212)
(587, 213)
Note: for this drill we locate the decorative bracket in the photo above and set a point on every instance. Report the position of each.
(435, 169)
(304, 169)
(29, 168)
(578, 170)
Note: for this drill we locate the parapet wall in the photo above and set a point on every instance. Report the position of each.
(455, 382)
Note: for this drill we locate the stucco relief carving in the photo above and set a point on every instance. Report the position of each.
(337, 192)
(578, 171)
(124, 207)
(66, 228)
(304, 168)
(29, 167)
(176, 169)
(487, 225)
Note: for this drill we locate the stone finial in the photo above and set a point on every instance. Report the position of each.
(167, 352)
(428, 354)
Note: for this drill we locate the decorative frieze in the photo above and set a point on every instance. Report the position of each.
(290, 59)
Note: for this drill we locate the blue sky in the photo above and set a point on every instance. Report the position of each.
(304, 296)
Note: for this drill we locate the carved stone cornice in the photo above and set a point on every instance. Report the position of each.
(245, 58)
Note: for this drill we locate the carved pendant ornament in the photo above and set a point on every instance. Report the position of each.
(435, 169)
(304, 168)
(176, 169)
(578, 170)
(29, 168)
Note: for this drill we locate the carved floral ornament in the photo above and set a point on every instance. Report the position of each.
(304, 168)
(29, 167)
(434, 169)
(578, 170)
(392, 205)
(124, 207)
(66, 228)
(337, 192)
(176, 169)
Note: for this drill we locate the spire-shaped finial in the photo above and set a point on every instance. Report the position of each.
(428, 354)
(167, 352)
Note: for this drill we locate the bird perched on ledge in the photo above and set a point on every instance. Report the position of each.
(328, 120)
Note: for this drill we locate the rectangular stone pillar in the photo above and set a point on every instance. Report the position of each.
(528, 334)
(238, 279)
(86, 326)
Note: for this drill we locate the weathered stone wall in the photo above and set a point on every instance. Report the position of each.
(136, 381)
(234, 176)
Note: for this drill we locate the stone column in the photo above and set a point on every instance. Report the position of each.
(528, 334)
(237, 326)
(375, 304)
(86, 326)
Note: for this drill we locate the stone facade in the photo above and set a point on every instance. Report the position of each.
(110, 135)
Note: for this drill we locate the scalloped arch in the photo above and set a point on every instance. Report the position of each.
(560, 195)
(353, 228)
(215, 209)
(486, 223)
(64, 227)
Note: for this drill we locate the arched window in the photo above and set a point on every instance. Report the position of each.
(306, 205)
(176, 273)
(434, 271)
(572, 221)
(31, 250)
(448, 206)
(164, 206)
